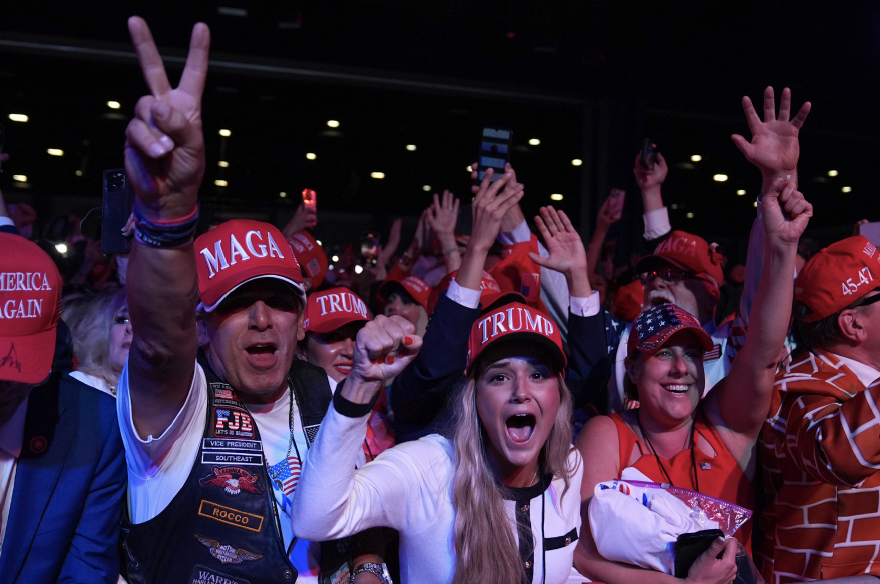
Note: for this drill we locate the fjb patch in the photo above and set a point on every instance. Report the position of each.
(203, 575)
(225, 553)
(233, 480)
(233, 423)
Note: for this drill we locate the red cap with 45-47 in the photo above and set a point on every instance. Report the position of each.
(30, 305)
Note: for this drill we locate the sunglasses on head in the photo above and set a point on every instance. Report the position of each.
(668, 274)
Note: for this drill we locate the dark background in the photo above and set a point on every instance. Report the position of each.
(589, 79)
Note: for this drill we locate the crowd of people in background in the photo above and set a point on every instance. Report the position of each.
(228, 405)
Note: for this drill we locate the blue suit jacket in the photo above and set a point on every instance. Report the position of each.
(66, 505)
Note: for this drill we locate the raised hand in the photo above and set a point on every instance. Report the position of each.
(305, 217)
(164, 145)
(442, 216)
(785, 227)
(514, 216)
(650, 178)
(567, 254)
(774, 147)
(383, 348)
(608, 215)
(491, 204)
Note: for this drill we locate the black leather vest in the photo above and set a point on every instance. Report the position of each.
(223, 522)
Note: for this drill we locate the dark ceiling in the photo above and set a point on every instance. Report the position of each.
(590, 79)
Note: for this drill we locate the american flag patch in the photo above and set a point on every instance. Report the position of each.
(715, 353)
(286, 473)
(530, 285)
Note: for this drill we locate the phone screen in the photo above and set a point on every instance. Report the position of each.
(370, 245)
(648, 154)
(310, 198)
(118, 201)
(494, 151)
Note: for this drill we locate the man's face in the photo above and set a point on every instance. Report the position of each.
(251, 338)
(672, 285)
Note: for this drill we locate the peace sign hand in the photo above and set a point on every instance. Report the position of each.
(164, 145)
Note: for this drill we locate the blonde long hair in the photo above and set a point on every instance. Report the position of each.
(91, 337)
(485, 545)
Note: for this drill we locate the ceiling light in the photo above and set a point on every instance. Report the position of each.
(358, 269)
(577, 162)
(223, 163)
(556, 197)
(79, 173)
(411, 147)
(696, 158)
(846, 189)
(690, 215)
(225, 133)
(232, 11)
(720, 177)
(19, 178)
(221, 183)
(754, 203)
(282, 194)
(333, 123)
(18, 117)
(377, 174)
(319, 242)
(55, 152)
(114, 104)
(61, 248)
(832, 173)
(674, 205)
(470, 168)
(426, 188)
(334, 258)
(311, 155)
(741, 192)
(534, 142)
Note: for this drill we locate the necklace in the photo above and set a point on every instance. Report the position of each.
(660, 463)
(291, 443)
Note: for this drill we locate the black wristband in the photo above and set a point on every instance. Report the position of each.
(349, 409)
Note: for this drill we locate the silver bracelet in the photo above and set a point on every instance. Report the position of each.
(379, 570)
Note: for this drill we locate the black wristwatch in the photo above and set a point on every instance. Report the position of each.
(377, 569)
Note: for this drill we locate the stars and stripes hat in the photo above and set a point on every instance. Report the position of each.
(30, 306)
(656, 325)
(837, 276)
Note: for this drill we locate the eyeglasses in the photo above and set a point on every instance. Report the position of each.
(121, 320)
(669, 274)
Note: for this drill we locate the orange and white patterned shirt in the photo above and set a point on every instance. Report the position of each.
(821, 456)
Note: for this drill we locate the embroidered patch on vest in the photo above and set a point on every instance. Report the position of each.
(203, 575)
(233, 423)
(233, 480)
(232, 458)
(227, 554)
(231, 516)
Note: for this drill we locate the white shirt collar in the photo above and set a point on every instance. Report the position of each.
(12, 432)
(866, 374)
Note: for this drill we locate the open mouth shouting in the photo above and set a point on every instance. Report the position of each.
(520, 427)
(262, 355)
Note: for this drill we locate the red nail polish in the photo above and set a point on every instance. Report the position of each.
(389, 360)
(407, 341)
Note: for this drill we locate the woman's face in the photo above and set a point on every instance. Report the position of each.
(120, 339)
(402, 307)
(333, 352)
(517, 401)
(670, 382)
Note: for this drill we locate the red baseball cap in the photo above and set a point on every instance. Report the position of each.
(239, 251)
(627, 301)
(310, 255)
(331, 309)
(490, 291)
(654, 326)
(30, 306)
(837, 276)
(688, 252)
(515, 322)
(413, 285)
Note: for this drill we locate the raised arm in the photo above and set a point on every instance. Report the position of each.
(650, 181)
(165, 159)
(742, 399)
(442, 217)
(608, 216)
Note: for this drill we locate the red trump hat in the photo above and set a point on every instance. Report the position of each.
(310, 255)
(331, 309)
(413, 285)
(837, 276)
(515, 322)
(490, 291)
(30, 306)
(239, 251)
(688, 252)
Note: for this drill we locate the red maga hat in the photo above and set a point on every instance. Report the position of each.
(310, 255)
(688, 252)
(490, 291)
(515, 322)
(331, 309)
(239, 251)
(837, 276)
(654, 326)
(413, 285)
(30, 305)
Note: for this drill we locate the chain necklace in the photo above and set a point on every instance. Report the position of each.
(657, 457)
